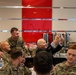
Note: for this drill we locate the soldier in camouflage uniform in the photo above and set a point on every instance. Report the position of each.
(13, 67)
(67, 67)
(5, 47)
(16, 41)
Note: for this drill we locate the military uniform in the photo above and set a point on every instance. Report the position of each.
(33, 52)
(27, 71)
(17, 43)
(5, 57)
(10, 69)
(63, 69)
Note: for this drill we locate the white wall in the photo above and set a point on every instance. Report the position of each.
(57, 13)
(62, 13)
(7, 13)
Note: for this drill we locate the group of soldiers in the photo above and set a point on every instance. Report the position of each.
(13, 52)
(15, 43)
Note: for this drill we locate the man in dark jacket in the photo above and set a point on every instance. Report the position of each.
(52, 48)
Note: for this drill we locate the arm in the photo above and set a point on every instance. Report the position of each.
(22, 45)
(27, 71)
(56, 45)
(1, 54)
(54, 72)
(58, 48)
(5, 70)
(53, 50)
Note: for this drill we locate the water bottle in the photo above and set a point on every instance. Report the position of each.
(1, 63)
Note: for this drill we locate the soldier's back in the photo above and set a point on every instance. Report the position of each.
(10, 69)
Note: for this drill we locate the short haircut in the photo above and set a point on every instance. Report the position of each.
(43, 62)
(13, 29)
(72, 46)
(15, 53)
(40, 41)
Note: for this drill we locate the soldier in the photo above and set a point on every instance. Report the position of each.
(16, 41)
(43, 63)
(67, 67)
(13, 68)
(5, 47)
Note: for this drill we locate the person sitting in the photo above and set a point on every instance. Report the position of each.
(12, 67)
(16, 41)
(67, 67)
(5, 48)
(52, 48)
(42, 63)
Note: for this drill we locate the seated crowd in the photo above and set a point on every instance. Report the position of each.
(13, 53)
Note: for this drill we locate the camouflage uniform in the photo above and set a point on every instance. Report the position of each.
(6, 57)
(33, 52)
(10, 69)
(17, 43)
(27, 71)
(63, 69)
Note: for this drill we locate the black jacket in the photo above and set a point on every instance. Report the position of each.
(51, 50)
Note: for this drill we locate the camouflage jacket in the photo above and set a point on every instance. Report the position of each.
(18, 43)
(6, 57)
(10, 69)
(63, 69)
(33, 53)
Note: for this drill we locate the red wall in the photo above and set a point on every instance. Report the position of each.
(34, 19)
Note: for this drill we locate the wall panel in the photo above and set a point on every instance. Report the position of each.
(5, 17)
(66, 12)
(36, 10)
